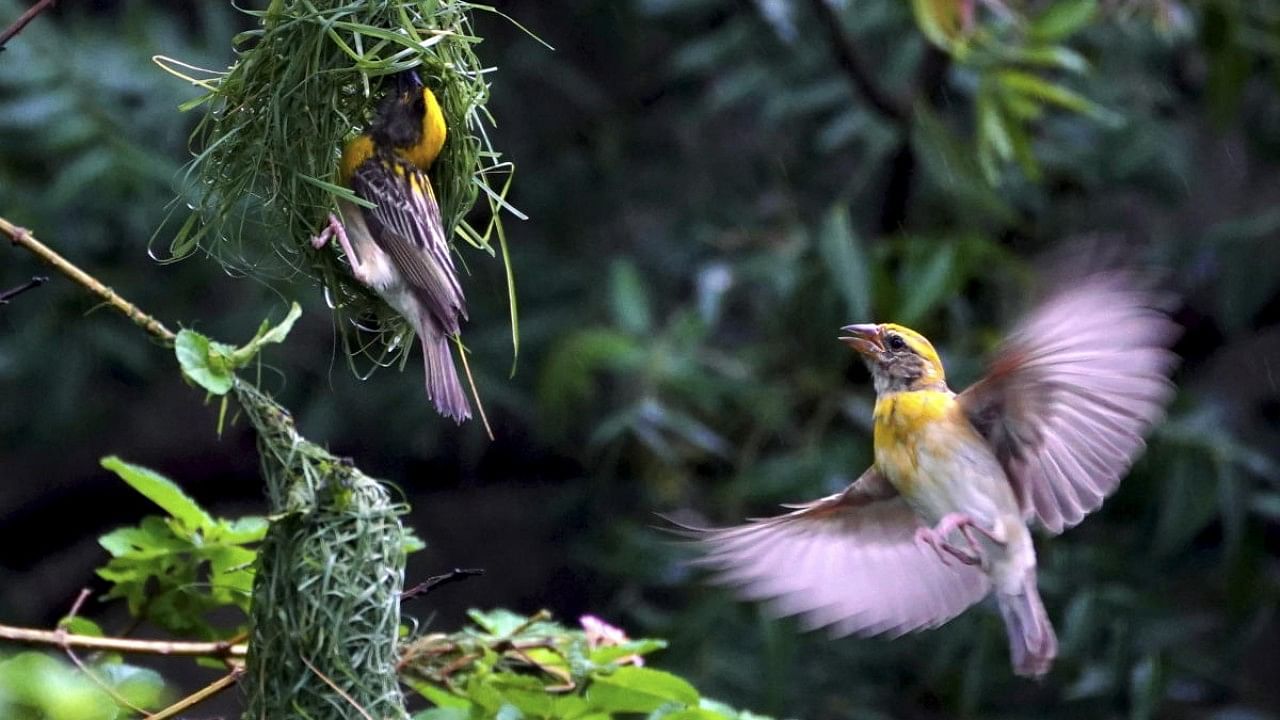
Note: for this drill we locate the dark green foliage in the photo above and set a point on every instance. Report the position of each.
(711, 199)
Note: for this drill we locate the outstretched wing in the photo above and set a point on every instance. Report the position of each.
(406, 224)
(848, 561)
(1071, 393)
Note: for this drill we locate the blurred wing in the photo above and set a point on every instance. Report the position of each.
(848, 561)
(1071, 393)
(406, 224)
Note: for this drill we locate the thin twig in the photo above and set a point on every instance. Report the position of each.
(22, 21)
(847, 55)
(337, 689)
(88, 672)
(14, 292)
(435, 581)
(60, 638)
(200, 695)
(23, 237)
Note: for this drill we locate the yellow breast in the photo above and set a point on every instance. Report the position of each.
(903, 420)
(359, 149)
(433, 134)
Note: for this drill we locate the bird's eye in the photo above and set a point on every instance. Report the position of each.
(419, 104)
(896, 342)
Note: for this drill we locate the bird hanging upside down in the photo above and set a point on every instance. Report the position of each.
(940, 519)
(400, 250)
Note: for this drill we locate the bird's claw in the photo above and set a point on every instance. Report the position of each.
(936, 538)
(333, 228)
(945, 550)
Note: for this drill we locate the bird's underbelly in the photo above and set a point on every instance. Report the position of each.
(377, 268)
(940, 468)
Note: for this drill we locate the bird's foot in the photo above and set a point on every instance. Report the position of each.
(944, 549)
(936, 538)
(337, 230)
(333, 228)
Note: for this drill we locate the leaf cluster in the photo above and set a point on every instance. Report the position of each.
(175, 571)
(511, 666)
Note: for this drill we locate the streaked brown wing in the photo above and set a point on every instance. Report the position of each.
(848, 562)
(406, 224)
(1071, 393)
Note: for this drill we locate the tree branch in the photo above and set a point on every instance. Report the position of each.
(23, 238)
(849, 59)
(435, 581)
(60, 638)
(14, 292)
(22, 21)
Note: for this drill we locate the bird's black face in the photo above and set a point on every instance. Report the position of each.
(399, 120)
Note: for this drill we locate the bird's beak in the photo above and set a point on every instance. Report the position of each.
(863, 338)
(408, 81)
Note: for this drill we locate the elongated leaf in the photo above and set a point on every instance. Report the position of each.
(628, 299)
(266, 334)
(845, 257)
(640, 690)
(162, 491)
(1063, 18)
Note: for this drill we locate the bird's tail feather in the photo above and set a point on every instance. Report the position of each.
(443, 387)
(1032, 642)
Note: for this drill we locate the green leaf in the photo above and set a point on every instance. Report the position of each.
(162, 491)
(926, 284)
(639, 689)
(499, 623)
(211, 364)
(266, 334)
(54, 689)
(845, 257)
(1146, 688)
(1033, 86)
(176, 572)
(697, 713)
(940, 22)
(203, 361)
(444, 713)
(1063, 18)
(628, 299)
(438, 696)
(80, 625)
(1055, 56)
(609, 653)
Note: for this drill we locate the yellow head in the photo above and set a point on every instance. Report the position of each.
(899, 358)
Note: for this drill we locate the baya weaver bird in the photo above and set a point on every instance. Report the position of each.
(940, 520)
(397, 247)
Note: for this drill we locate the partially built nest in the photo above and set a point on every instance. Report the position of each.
(262, 181)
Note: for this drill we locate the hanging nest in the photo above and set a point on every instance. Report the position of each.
(263, 180)
(326, 595)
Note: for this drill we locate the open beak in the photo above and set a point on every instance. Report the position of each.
(863, 338)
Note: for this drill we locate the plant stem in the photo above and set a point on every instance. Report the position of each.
(199, 696)
(23, 238)
(60, 638)
(23, 19)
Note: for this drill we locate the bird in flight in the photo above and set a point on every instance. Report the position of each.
(940, 520)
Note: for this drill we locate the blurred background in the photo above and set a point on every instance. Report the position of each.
(714, 188)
